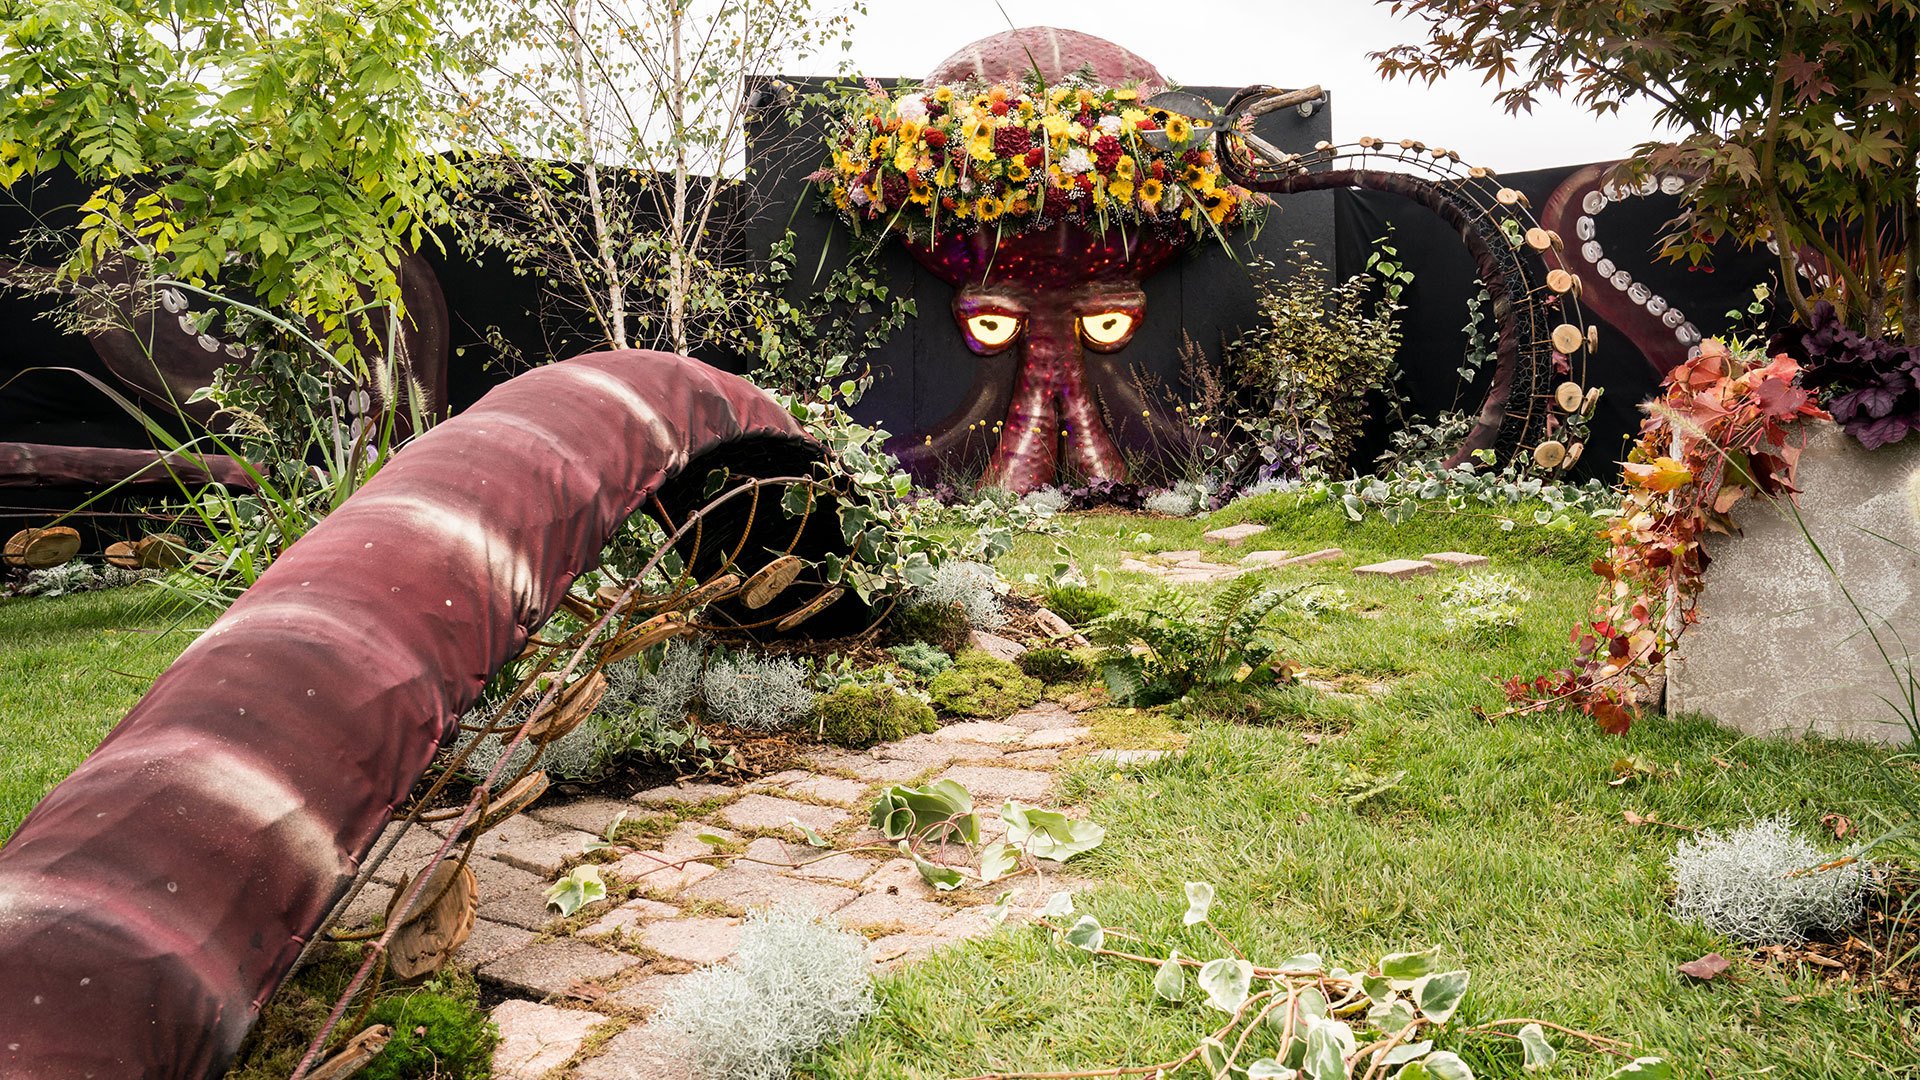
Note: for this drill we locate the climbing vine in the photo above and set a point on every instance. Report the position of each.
(1718, 433)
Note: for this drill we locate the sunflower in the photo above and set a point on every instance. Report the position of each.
(1124, 168)
(1018, 172)
(1150, 192)
(943, 95)
(1121, 190)
(1179, 129)
(989, 208)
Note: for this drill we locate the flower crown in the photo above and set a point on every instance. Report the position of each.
(1013, 159)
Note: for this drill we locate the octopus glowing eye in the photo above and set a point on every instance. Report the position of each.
(993, 330)
(1107, 328)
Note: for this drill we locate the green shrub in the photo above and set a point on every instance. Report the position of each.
(921, 660)
(1053, 665)
(978, 685)
(439, 1031)
(857, 717)
(941, 625)
(1079, 604)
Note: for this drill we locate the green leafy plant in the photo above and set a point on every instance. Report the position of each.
(981, 686)
(858, 717)
(921, 659)
(940, 809)
(1171, 644)
(1482, 605)
(576, 889)
(1053, 665)
(1079, 604)
(940, 626)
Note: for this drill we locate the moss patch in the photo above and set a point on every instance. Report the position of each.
(857, 717)
(944, 625)
(977, 685)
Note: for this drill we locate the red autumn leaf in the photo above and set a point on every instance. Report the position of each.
(1707, 967)
(1841, 824)
(1662, 474)
(1611, 716)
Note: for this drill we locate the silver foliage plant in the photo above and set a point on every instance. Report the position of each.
(1759, 884)
(798, 983)
(758, 692)
(972, 585)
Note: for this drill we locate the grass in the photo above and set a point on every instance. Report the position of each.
(1505, 844)
(70, 668)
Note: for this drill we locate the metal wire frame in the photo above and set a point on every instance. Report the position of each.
(590, 645)
(1520, 412)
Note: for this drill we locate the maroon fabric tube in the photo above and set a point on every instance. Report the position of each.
(154, 900)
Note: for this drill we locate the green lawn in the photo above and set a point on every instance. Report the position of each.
(1504, 844)
(70, 668)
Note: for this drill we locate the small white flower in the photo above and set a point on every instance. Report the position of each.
(1111, 125)
(966, 185)
(1077, 161)
(912, 107)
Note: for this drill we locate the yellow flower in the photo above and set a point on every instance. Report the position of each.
(1150, 191)
(1126, 93)
(1057, 95)
(943, 94)
(1018, 171)
(945, 177)
(1219, 211)
(1124, 168)
(877, 149)
(981, 148)
(1132, 117)
(909, 132)
(1178, 129)
(1121, 190)
(989, 208)
(1055, 123)
(905, 159)
(963, 208)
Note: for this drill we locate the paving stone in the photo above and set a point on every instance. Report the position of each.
(1136, 566)
(533, 846)
(830, 789)
(587, 815)
(750, 887)
(661, 878)
(769, 812)
(1126, 757)
(931, 753)
(1083, 700)
(1047, 714)
(491, 940)
(1235, 535)
(996, 646)
(898, 877)
(367, 908)
(696, 941)
(407, 856)
(1265, 558)
(1057, 737)
(1179, 556)
(535, 1038)
(629, 916)
(680, 794)
(685, 839)
(1196, 577)
(1045, 758)
(1396, 568)
(646, 993)
(882, 770)
(566, 967)
(768, 849)
(988, 784)
(845, 869)
(891, 910)
(896, 950)
(638, 1053)
(527, 908)
(1311, 557)
(991, 732)
(1455, 558)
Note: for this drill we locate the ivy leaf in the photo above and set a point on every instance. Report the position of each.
(997, 912)
(1446, 1065)
(1406, 1052)
(1391, 1016)
(1644, 1068)
(1409, 965)
(1540, 1054)
(1311, 1003)
(1047, 834)
(1226, 982)
(1087, 934)
(1199, 900)
(1305, 963)
(1269, 1069)
(581, 886)
(943, 878)
(997, 860)
(1439, 995)
(940, 807)
(813, 838)
(1058, 906)
(1170, 982)
(1328, 1044)
(1213, 1056)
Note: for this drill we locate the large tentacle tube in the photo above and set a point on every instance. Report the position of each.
(155, 899)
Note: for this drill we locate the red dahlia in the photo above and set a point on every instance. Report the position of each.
(1012, 142)
(936, 138)
(1106, 152)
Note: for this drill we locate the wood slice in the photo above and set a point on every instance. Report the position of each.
(569, 707)
(121, 554)
(1593, 337)
(42, 549)
(523, 793)
(436, 926)
(1567, 339)
(1549, 454)
(1573, 454)
(662, 627)
(770, 581)
(161, 551)
(1568, 396)
(1561, 282)
(709, 592)
(1593, 398)
(1506, 196)
(811, 608)
(354, 1056)
(1540, 239)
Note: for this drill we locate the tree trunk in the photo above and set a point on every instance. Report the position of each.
(603, 239)
(678, 240)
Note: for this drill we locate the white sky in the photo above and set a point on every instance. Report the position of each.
(1286, 43)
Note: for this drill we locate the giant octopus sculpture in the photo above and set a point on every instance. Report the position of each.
(1046, 173)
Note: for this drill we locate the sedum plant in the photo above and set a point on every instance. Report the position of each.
(797, 983)
(1764, 885)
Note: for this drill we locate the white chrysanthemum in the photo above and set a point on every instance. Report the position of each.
(1077, 161)
(913, 107)
(1111, 125)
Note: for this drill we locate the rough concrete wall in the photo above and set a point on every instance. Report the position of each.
(1778, 648)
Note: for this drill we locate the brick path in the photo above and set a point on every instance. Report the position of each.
(579, 990)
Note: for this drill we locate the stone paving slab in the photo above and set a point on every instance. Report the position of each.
(840, 869)
(932, 753)
(645, 993)
(410, 854)
(695, 941)
(1054, 738)
(829, 789)
(1455, 558)
(1040, 717)
(629, 917)
(990, 732)
(883, 910)
(661, 878)
(534, 846)
(491, 940)
(564, 967)
(994, 645)
(1396, 568)
(1265, 558)
(587, 815)
(899, 877)
(1311, 557)
(535, 1039)
(637, 1053)
(684, 794)
(891, 770)
(989, 784)
(1235, 535)
(750, 887)
(771, 813)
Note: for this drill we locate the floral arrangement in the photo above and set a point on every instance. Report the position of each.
(1718, 434)
(1871, 384)
(1021, 158)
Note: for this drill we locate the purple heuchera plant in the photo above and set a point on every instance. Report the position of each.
(1870, 385)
